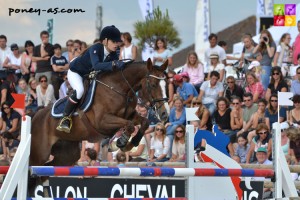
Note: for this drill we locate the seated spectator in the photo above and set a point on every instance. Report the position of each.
(7, 88)
(88, 145)
(195, 70)
(121, 159)
(285, 141)
(45, 92)
(91, 156)
(160, 145)
(33, 96)
(112, 147)
(24, 89)
(11, 119)
(272, 111)
(277, 83)
(185, 90)
(210, 90)
(233, 89)
(241, 150)
(236, 116)
(178, 147)
(215, 65)
(262, 139)
(177, 116)
(9, 144)
(295, 85)
(255, 68)
(294, 137)
(254, 86)
(250, 107)
(140, 152)
(294, 114)
(203, 115)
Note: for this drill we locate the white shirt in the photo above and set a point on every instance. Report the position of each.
(160, 148)
(105, 53)
(47, 98)
(3, 54)
(218, 50)
(127, 52)
(15, 61)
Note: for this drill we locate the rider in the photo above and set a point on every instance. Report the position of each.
(99, 57)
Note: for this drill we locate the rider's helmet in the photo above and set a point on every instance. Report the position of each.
(111, 33)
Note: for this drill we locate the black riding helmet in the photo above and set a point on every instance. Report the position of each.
(111, 33)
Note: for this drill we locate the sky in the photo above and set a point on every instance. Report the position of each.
(19, 27)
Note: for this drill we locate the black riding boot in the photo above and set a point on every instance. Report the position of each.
(65, 124)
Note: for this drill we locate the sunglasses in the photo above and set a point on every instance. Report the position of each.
(296, 101)
(43, 81)
(260, 133)
(197, 103)
(273, 100)
(179, 131)
(275, 73)
(159, 129)
(236, 103)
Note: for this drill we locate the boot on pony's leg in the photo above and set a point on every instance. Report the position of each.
(65, 123)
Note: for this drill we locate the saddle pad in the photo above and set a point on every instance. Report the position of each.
(58, 107)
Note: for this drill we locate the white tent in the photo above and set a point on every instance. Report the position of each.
(276, 32)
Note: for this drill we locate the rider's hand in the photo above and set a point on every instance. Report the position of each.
(118, 65)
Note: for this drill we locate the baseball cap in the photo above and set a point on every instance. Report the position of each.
(262, 149)
(177, 77)
(184, 75)
(254, 63)
(284, 125)
(214, 55)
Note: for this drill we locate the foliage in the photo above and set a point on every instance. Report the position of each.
(157, 25)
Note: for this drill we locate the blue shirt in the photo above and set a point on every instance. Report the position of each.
(295, 87)
(177, 121)
(93, 59)
(274, 117)
(186, 90)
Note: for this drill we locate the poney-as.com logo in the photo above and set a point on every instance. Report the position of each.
(284, 14)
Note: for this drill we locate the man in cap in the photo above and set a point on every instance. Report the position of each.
(185, 90)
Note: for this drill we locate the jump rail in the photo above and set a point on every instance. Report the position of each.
(104, 198)
(113, 171)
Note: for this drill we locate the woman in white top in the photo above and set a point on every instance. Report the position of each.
(45, 92)
(215, 65)
(13, 61)
(178, 147)
(160, 145)
(161, 53)
(128, 51)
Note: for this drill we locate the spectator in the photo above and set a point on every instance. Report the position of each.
(69, 53)
(254, 86)
(45, 92)
(11, 120)
(296, 46)
(91, 155)
(13, 63)
(267, 48)
(247, 55)
(272, 111)
(250, 107)
(283, 55)
(6, 89)
(76, 48)
(255, 68)
(32, 85)
(214, 48)
(24, 89)
(161, 53)
(84, 46)
(9, 144)
(28, 66)
(85, 145)
(42, 54)
(195, 70)
(59, 65)
(294, 136)
(160, 145)
(210, 90)
(277, 83)
(236, 115)
(185, 90)
(215, 65)
(121, 159)
(241, 150)
(294, 114)
(178, 147)
(140, 152)
(263, 139)
(295, 86)
(4, 52)
(203, 115)
(233, 89)
(285, 141)
(171, 87)
(128, 50)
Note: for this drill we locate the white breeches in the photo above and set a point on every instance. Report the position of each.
(76, 83)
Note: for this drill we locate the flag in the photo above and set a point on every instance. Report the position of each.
(285, 98)
(50, 30)
(19, 103)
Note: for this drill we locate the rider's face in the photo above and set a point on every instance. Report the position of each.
(111, 45)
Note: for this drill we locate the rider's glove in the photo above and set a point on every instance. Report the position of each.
(118, 65)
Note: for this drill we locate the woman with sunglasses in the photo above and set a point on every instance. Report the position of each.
(272, 110)
(203, 115)
(236, 115)
(178, 147)
(160, 145)
(277, 83)
(254, 86)
(45, 92)
(294, 114)
(263, 138)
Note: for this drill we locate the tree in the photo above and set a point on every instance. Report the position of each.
(157, 25)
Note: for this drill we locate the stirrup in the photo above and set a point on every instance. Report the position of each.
(63, 128)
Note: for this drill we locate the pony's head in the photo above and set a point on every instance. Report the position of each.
(154, 89)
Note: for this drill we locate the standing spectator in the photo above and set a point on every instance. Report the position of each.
(178, 147)
(294, 114)
(4, 52)
(160, 145)
(161, 53)
(42, 54)
(69, 53)
(84, 46)
(277, 83)
(272, 111)
(215, 65)
(28, 67)
(185, 90)
(283, 55)
(295, 86)
(195, 70)
(214, 48)
(210, 90)
(171, 87)
(128, 50)
(59, 65)
(233, 89)
(296, 46)
(13, 63)
(267, 48)
(254, 87)
(203, 115)
(45, 92)
(76, 48)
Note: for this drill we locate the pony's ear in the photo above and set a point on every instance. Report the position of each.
(165, 65)
(149, 65)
